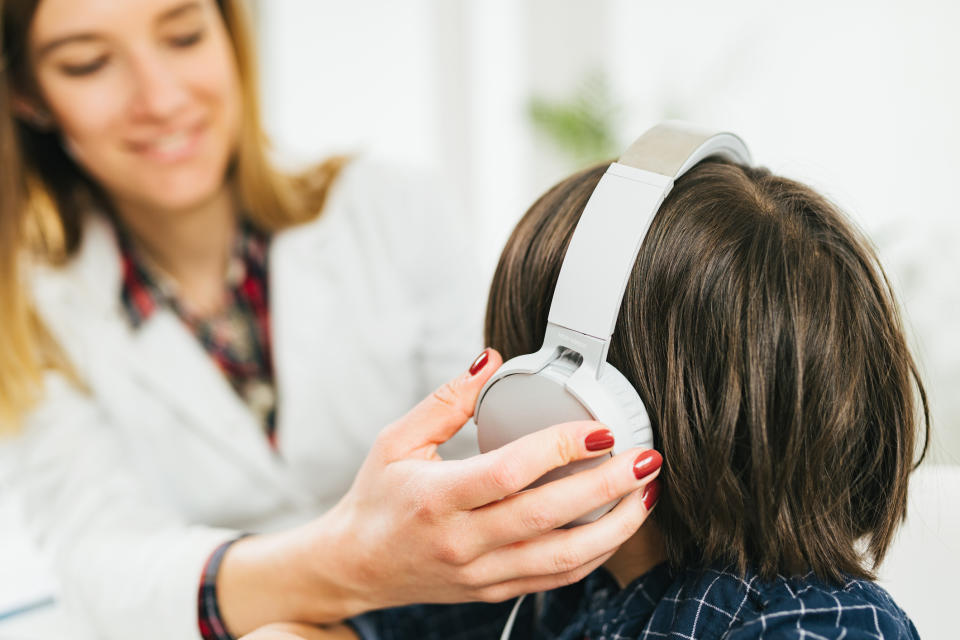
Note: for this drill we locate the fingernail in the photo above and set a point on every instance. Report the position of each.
(651, 494)
(646, 463)
(479, 363)
(599, 440)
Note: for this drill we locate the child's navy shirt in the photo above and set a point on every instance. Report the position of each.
(698, 604)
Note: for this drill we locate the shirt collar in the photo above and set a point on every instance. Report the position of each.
(598, 601)
(145, 287)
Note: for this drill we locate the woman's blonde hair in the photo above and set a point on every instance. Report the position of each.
(44, 194)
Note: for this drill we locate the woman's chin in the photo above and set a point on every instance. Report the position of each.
(171, 199)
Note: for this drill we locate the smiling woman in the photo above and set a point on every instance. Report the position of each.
(197, 347)
(151, 109)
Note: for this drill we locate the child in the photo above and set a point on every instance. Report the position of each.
(763, 337)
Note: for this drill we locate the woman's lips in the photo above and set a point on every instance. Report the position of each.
(171, 147)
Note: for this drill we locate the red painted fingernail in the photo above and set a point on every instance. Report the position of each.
(651, 494)
(599, 440)
(479, 363)
(646, 463)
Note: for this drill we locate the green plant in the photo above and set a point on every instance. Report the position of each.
(583, 126)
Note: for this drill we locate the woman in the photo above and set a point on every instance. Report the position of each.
(761, 333)
(197, 347)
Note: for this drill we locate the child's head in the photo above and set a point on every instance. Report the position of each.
(762, 335)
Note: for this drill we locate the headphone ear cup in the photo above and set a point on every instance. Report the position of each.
(617, 385)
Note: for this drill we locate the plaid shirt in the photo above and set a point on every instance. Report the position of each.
(694, 605)
(238, 340)
(209, 619)
(238, 336)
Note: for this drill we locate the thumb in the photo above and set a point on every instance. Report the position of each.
(441, 414)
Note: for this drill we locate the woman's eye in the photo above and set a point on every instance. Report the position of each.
(84, 69)
(188, 40)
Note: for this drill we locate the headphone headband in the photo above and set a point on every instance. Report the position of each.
(673, 147)
(604, 246)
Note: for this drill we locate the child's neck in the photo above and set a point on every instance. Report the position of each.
(642, 552)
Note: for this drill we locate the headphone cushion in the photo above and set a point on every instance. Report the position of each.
(629, 400)
(617, 387)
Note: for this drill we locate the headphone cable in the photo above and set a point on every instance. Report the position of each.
(513, 617)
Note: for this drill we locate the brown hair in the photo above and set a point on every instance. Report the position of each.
(763, 337)
(45, 194)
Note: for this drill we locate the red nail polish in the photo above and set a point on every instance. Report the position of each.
(479, 363)
(599, 440)
(651, 494)
(646, 463)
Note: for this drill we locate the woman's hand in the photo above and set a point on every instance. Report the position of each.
(414, 528)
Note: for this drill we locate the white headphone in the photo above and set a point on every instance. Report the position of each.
(569, 378)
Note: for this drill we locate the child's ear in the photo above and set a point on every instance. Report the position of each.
(33, 113)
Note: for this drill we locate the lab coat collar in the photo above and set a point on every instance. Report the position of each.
(163, 356)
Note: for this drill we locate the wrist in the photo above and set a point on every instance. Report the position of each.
(328, 569)
(283, 576)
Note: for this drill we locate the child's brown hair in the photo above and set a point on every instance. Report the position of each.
(763, 336)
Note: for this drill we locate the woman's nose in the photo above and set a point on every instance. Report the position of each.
(159, 92)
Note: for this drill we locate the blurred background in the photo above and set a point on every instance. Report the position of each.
(502, 98)
(499, 99)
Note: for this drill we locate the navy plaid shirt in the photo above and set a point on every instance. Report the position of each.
(694, 605)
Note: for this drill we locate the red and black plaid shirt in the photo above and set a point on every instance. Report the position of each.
(237, 337)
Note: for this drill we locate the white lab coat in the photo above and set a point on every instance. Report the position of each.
(130, 486)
